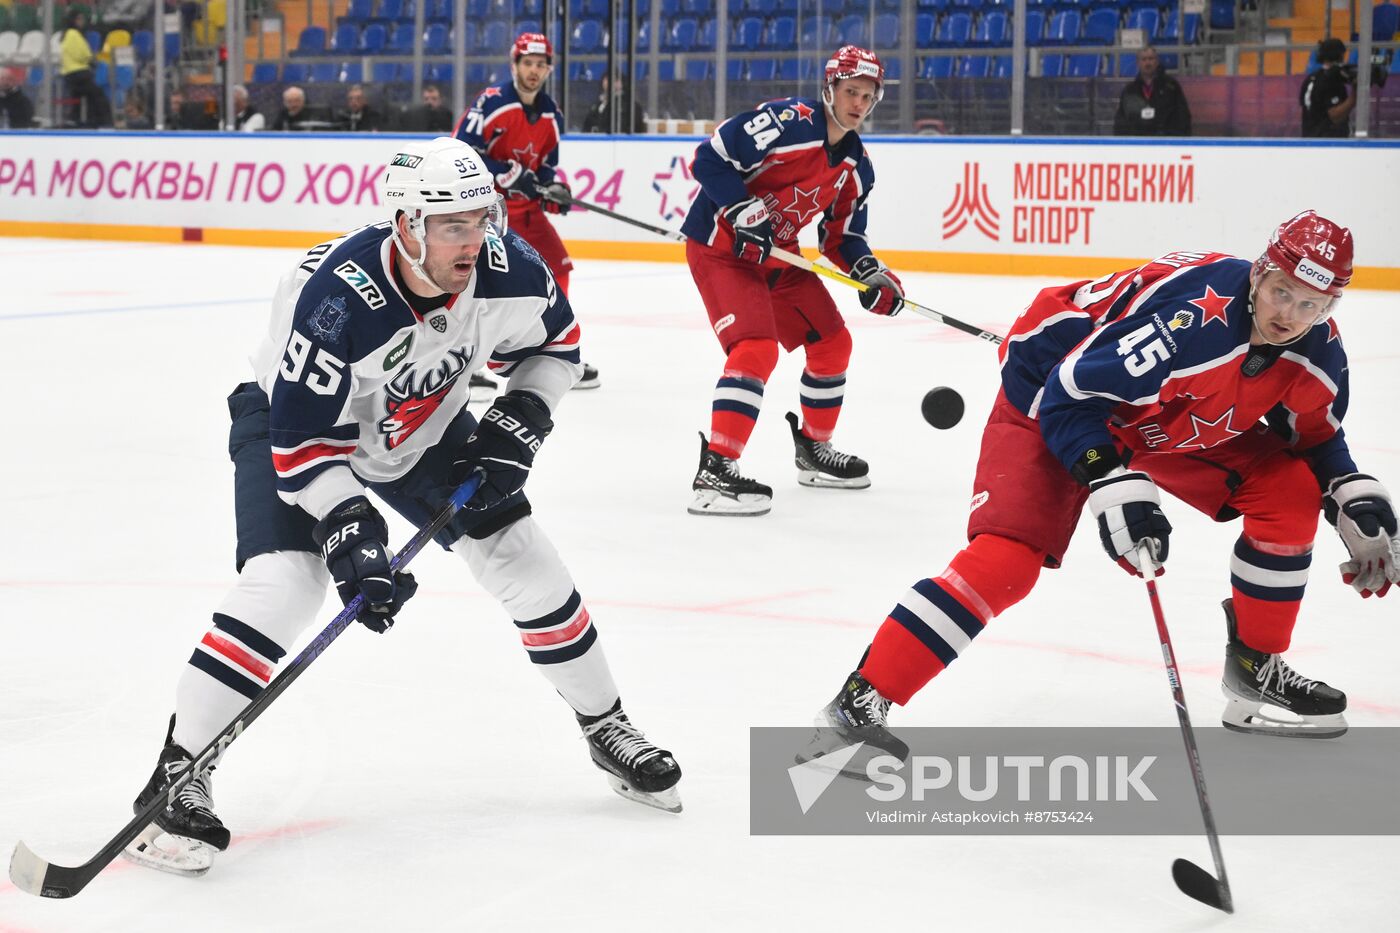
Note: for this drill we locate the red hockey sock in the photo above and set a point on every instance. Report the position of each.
(824, 384)
(739, 395)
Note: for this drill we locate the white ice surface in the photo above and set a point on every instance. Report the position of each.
(430, 779)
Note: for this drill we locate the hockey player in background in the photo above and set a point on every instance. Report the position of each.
(362, 385)
(1223, 382)
(763, 176)
(515, 127)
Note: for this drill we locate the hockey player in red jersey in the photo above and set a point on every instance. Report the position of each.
(361, 386)
(764, 175)
(516, 126)
(1223, 382)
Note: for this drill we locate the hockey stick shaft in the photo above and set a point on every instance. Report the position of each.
(34, 875)
(1187, 875)
(802, 262)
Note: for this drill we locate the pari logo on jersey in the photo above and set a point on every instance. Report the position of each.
(364, 286)
(413, 395)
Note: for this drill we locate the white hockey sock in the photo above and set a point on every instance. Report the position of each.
(520, 568)
(276, 597)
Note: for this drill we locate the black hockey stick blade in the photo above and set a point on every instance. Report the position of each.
(1194, 881)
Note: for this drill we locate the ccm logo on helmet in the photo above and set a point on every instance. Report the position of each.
(478, 192)
(1311, 273)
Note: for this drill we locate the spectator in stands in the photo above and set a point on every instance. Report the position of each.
(175, 112)
(246, 118)
(294, 112)
(16, 109)
(359, 117)
(1326, 96)
(432, 117)
(134, 114)
(1153, 104)
(599, 117)
(78, 83)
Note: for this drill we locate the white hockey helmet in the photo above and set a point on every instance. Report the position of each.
(438, 176)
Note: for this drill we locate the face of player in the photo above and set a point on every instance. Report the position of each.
(1285, 309)
(853, 99)
(529, 72)
(454, 242)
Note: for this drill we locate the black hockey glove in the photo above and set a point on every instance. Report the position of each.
(517, 181)
(753, 229)
(352, 539)
(1361, 511)
(886, 296)
(556, 198)
(1129, 509)
(503, 448)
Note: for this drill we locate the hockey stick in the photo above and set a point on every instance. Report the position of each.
(37, 876)
(801, 262)
(1193, 880)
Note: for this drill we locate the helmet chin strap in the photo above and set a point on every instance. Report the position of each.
(415, 226)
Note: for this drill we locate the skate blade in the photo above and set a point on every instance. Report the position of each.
(176, 855)
(587, 384)
(709, 502)
(668, 799)
(818, 480)
(1253, 717)
(827, 741)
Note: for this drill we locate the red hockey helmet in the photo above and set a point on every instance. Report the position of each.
(1312, 250)
(852, 61)
(532, 43)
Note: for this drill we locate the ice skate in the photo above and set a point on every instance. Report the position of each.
(1264, 696)
(857, 715)
(590, 378)
(720, 489)
(636, 768)
(187, 835)
(823, 466)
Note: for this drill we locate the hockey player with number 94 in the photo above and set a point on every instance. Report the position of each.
(764, 175)
(1223, 382)
(362, 384)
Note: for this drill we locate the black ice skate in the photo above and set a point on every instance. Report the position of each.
(1254, 680)
(185, 837)
(857, 715)
(590, 378)
(721, 490)
(636, 769)
(821, 465)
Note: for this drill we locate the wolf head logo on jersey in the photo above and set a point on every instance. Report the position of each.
(411, 397)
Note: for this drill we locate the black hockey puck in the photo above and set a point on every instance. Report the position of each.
(942, 407)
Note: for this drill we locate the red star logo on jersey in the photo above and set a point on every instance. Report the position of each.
(526, 156)
(1332, 332)
(804, 204)
(1210, 433)
(490, 92)
(1214, 306)
(803, 111)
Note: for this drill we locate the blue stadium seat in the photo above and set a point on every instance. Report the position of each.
(595, 8)
(312, 41)
(438, 72)
(438, 11)
(954, 30)
(748, 35)
(1101, 27)
(974, 66)
(384, 72)
(1083, 66)
(1148, 20)
(682, 36)
(763, 69)
(893, 68)
(762, 7)
(925, 26)
(124, 76)
(495, 37)
(936, 66)
(401, 40)
(1127, 65)
(346, 38)
(436, 40)
(390, 10)
(817, 32)
(1191, 22)
(1385, 20)
(295, 73)
(587, 37)
(476, 77)
(788, 70)
(1001, 66)
(172, 45)
(991, 30)
(886, 33)
(264, 72)
(478, 10)
(1035, 27)
(324, 73)
(782, 35)
(850, 30)
(644, 36)
(143, 41)
(699, 69)
(360, 11)
(1222, 14)
(696, 8)
(1052, 66)
(705, 42)
(353, 72)
(1064, 28)
(373, 39)
(734, 69)
(666, 70)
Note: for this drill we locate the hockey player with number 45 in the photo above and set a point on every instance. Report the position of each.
(362, 385)
(763, 176)
(1223, 382)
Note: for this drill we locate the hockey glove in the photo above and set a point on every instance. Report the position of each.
(886, 295)
(1129, 509)
(503, 448)
(517, 181)
(1361, 511)
(556, 198)
(352, 539)
(753, 230)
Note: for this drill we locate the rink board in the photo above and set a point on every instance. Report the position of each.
(974, 205)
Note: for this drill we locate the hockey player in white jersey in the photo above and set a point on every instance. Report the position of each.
(362, 384)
